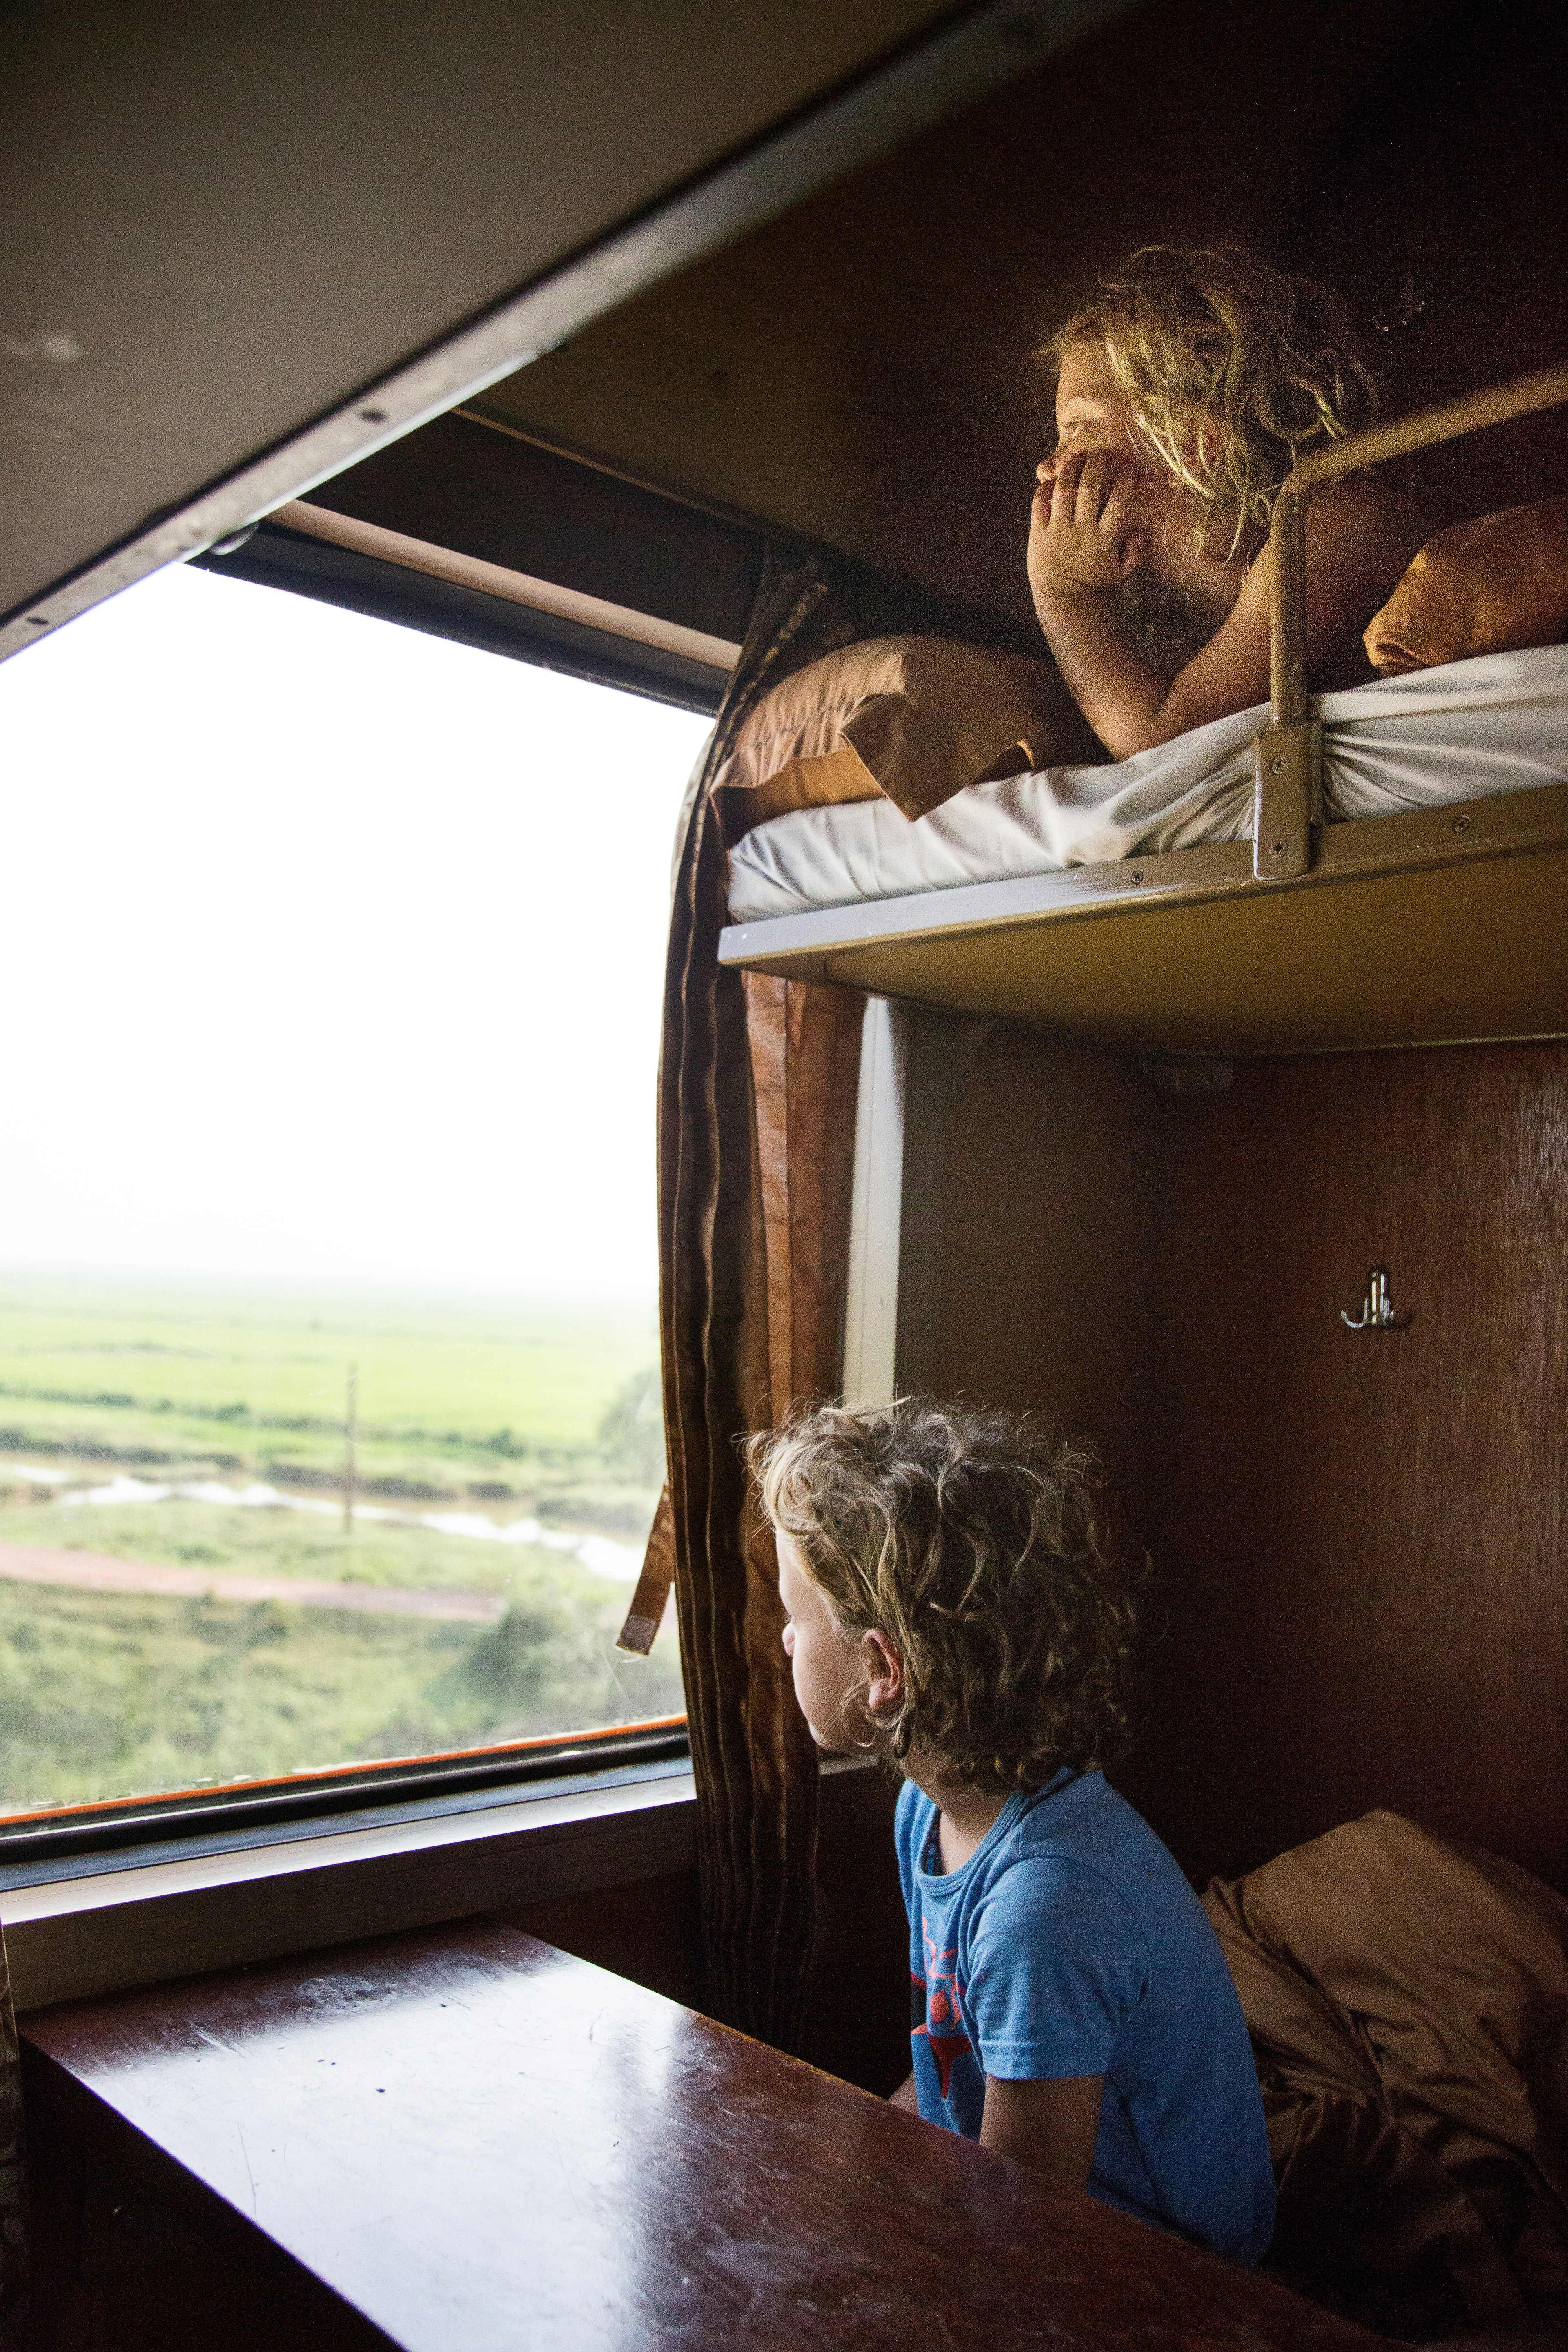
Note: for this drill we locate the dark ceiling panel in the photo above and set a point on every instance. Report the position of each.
(245, 240)
(234, 212)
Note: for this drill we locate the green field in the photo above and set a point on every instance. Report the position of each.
(157, 1377)
(539, 1420)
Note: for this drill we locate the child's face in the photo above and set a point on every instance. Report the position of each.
(830, 1678)
(1092, 413)
(1091, 409)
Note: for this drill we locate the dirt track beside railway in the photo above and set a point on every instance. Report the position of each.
(93, 1571)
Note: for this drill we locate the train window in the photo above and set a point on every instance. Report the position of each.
(329, 1418)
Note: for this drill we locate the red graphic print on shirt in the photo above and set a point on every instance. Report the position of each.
(935, 2004)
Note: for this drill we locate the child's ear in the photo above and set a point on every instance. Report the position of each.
(1200, 441)
(884, 1673)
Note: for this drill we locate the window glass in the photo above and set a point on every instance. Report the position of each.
(328, 1416)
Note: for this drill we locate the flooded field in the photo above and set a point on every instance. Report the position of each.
(245, 1533)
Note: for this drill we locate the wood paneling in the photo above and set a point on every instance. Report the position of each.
(163, 1919)
(646, 1932)
(469, 2140)
(1362, 1537)
(857, 2003)
(1047, 1230)
(1454, 173)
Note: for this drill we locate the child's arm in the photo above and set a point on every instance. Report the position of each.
(1049, 2127)
(1360, 537)
(906, 2095)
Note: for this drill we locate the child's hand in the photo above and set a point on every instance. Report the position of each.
(1082, 539)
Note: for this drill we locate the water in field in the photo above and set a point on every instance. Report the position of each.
(207, 1571)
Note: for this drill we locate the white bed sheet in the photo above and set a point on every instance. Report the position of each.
(1497, 724)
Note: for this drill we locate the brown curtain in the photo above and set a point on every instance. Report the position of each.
(757, 1091)
(13, 2172)
(749, 1077)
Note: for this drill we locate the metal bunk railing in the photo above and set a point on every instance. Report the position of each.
(1288, 758)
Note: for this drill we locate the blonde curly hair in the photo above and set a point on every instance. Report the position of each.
(1217, 339)
(969, 1540)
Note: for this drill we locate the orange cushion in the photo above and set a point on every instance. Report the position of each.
(912, 718)
(1487, 587)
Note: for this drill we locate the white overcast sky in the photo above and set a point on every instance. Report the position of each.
(331, 950)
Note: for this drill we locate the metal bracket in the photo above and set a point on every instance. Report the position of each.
(1287, 798)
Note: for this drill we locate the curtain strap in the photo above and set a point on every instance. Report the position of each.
(651, 1598)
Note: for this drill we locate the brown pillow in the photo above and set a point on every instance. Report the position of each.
(915, 719)
(1487, 587)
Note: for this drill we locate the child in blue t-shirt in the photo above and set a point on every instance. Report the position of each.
(950, 1609)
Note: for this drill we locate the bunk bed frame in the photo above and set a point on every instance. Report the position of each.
(1438, 926)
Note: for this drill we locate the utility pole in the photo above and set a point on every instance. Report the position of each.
(351, 1439)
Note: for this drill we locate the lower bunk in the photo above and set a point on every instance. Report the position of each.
(1355, 1690)
(1407, 2000)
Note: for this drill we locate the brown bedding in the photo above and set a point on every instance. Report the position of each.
(910, 719)
(1408, 2005)
(1494, 586)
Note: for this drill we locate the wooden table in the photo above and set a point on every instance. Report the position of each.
(464, 2141)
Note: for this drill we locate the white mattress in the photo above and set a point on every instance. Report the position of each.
(1499, 724)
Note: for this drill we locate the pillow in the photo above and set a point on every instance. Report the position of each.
(1489, 587)
(913, 719)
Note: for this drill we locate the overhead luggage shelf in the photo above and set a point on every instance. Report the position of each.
(1445, 925)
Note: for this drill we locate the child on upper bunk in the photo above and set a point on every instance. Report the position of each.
(1185, 392)
(951, 1610)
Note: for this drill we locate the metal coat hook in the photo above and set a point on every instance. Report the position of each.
(1377, 1308)
(1408, 305)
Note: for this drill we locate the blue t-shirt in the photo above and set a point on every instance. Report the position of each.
(1068, 1944)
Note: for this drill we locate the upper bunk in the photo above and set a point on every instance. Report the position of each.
(1433, 925)
(1439, 927)
(853, 376)
(808, 326)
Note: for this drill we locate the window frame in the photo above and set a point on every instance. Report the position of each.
(48, 1847)
(274, 555)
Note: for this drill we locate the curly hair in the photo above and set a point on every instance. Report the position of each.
(1217, 338)
(968, 1539)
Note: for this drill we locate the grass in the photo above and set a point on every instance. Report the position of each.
(104, 1696)
(449, 1391)
(510, 1410)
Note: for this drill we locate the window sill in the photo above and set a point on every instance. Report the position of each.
(125, 1925)
(72, 1936)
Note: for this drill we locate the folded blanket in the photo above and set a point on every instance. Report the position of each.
(1408, 2005)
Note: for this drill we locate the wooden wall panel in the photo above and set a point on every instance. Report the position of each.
(1440, 211)
(646, 1931)
(1048, 1243)
(1362, 1537)
(859, 371)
